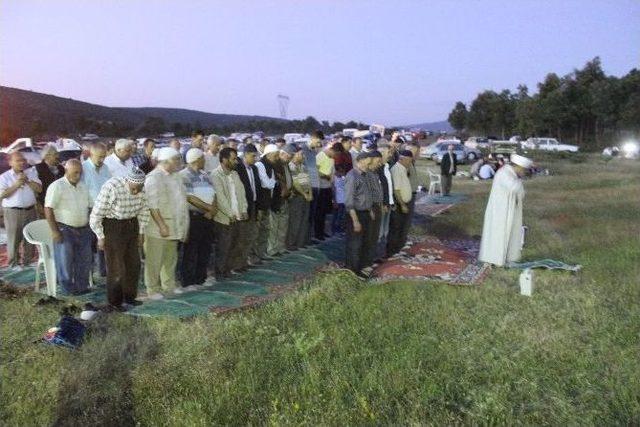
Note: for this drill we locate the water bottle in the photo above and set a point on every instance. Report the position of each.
(526, 282)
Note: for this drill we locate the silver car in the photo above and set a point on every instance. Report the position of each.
(458, 149)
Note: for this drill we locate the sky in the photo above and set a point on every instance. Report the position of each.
(391, 62)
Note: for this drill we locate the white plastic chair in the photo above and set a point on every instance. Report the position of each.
(434, 182)
(38, 233)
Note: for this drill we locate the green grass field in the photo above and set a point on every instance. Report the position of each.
(341, 351)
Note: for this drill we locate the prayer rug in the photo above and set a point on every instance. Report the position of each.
(451, 261)
(549, 264)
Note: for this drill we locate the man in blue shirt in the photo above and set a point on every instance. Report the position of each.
(94, 175)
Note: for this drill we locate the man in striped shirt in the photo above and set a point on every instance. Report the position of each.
(119, 216)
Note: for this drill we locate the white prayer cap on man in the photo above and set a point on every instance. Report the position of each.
(522, 161)
(167, 153)
(154, 153)
(123, 143)
(270, 148)
(194, 154)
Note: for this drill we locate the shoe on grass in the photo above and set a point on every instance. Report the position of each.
(178, 291)
(156, 297)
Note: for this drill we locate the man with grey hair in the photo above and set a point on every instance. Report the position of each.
(67, 211)
(18, 189)
(49, 169)
(211, 160)
(119, 162)
(167, 200)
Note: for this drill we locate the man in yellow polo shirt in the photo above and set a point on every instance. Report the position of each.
(325, 166)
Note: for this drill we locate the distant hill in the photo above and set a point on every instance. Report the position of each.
(433, 126)
(26, 113)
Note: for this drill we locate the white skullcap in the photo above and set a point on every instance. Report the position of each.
(154, 153)
(167, 153)
(519, 160)
(123, 143)
(194, 154)
(270, 148)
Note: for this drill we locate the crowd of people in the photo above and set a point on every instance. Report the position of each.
(211, 205)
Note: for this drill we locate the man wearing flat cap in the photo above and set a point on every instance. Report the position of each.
(502, 231)
(358, 203)
(119, 217)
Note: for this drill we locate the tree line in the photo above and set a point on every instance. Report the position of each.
(585, 107)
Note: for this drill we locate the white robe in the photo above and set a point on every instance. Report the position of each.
(502, 231)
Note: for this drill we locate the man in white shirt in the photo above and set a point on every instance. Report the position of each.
(18, 188)
(66, 208)
(119, 162)
(167, 200)
(400, 220)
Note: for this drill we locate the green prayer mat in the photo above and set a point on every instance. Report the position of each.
(549, 264)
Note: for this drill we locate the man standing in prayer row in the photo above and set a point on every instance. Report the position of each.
(358, 203)
(502, 231)
(232, 207)
(49, 169)
(266, 195)
(66, 208)
(211, 160)
(388, 204)
(118, 218)
(310, 151)
(248, 174)
(280, 207)
(167, 202)
(298, 232)
(18, 189)
(325, 165)
(356, 148)
(400, 218)
(448, 169)
(94, 175)
(145, 161)
(375, 189)
(201, 198)
(119, 162)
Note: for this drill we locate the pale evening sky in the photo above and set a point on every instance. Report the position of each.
(391, 62)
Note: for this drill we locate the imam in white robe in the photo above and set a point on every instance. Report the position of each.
(502, 232)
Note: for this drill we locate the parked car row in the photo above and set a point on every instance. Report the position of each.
(545, 144)
(436, 150)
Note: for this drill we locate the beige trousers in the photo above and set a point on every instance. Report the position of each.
(161, 257)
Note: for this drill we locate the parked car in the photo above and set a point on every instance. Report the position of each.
(28, 149)
(477, 142)
(473, 154)
(505, 148)
(549, 144)
(458, 149)
(431, 150)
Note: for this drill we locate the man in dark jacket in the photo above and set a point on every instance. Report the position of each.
(250, 178)
(49, 169)
(448, 169)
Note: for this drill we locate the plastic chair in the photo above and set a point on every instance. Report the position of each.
(434, 182)
(38, 233)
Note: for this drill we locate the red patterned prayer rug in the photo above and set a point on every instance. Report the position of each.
(452, 261)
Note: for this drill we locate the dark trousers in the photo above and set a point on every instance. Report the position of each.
(243, 243)
(226, 236)
(312, 213)
(298, 231)
(323, 206)
(73, 258)
(338, 219)
(371, 245)
(123, 259)
(446, 184)
(356, 242)
(398, 229)
(196, 251)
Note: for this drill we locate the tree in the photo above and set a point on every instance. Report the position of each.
(458, 116)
